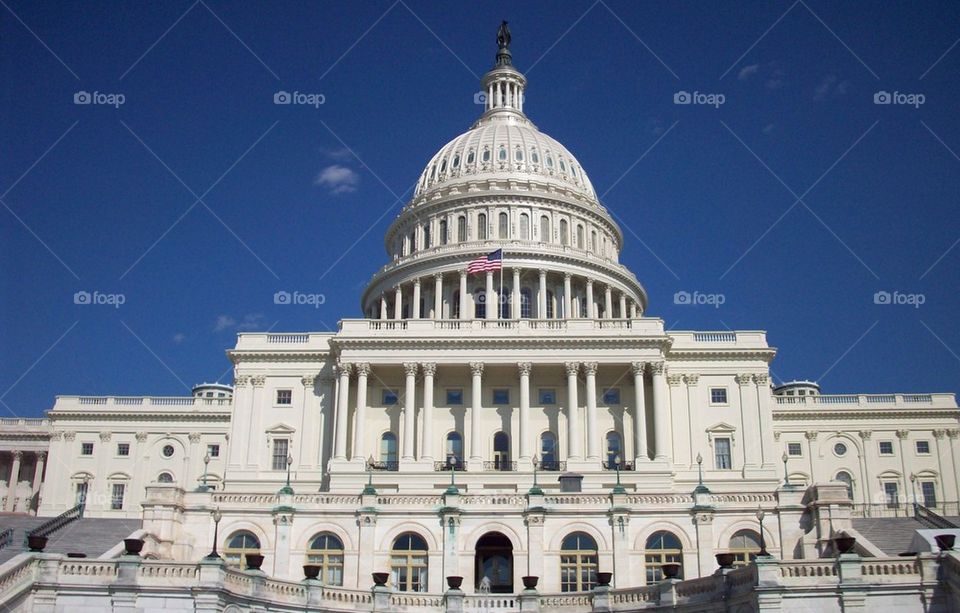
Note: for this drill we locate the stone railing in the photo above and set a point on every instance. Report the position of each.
(871, 400)
(455, 327)
(946, 508)
(119, 403)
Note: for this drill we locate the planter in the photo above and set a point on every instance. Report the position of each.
(844, 544)
(725, 560)
(945, 541)
(671, 571)
(380, 579)
(530, 582)
(311, 571)
(454, 582)
(133, 547)
(603, 579)
(254, 561)
(36, 543)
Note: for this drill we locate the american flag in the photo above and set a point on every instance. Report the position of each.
(491, 261)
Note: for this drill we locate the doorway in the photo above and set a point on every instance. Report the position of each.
(494, 561)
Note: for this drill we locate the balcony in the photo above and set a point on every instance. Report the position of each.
(551, 465)
(624, 466)
(447, 466)
(500, 466)
(384, 465)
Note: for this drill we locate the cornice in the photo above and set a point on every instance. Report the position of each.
(765, 353)
(128, 416)
(864, 414)
(286, 354)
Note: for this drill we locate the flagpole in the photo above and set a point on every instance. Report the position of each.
(500, 295)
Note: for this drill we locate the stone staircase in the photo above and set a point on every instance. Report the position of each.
(893, 535)
(91, 536)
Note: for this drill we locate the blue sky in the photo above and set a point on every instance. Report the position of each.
(197, 198)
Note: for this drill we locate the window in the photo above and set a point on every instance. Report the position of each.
(456, 161)
(549, 161)
(388, 451)
(326, 551)
(213, 451)
(744, 545)
(453, 451)
(86, 448)
(123, 449)
(611, 396)
(929, 491)
(461, 228)
(471, 157)
(82, 488)
(718, 395)
(544, 229)
(389, 397)
(456, 305)
(116, 496)
(443, 231)
(504, 302)
(284, 396)
(479, 303)
(548, 395)
(408, 563)
(662, 548)
(923, 447)
(167, 451)
(578, 563)
(891, 493)
(486, 155)
(794, 449)
(721, 448)
(534, 157)
(579, 236)
(518, 154)
(550, 309)
(502, 154)
(564, 232)
(840, 449)
(614, 450)
(525, 304)
(482, 226)
(886, 448)
(548, 452)
(504, 225)
(280, 447)
(501, 396)
(593, 241)
(454, 396)
(426, 235)
(238, 546)
(165, 478)
(501, 451)
(524, 226)
(845, 478)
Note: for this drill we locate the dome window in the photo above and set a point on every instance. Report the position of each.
(518, 154)
(549, 161)
(534, 157)
(433, 172)
(573, 171)
(502, 154)
(456, 161)
(471, 157)
(443, 167)
(482, 226)
(563, 167)
(486, 155)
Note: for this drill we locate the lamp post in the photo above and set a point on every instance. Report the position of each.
(618, 489)
(452, 463)
(535, 489)
(701, 488)
(369, 489)
(763, 541)
(913, 489)
(217, 516)
(206, 466)
(286, 489)
(786, 474)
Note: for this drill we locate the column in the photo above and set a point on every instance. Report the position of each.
(476, 402)
(623, 306)
(14, 478)
(593, 440)
(426, 442)
(639, 414)
(409, 410)
(750, 417)
(607, 303)
(525, 433)
(567, 302)
(464, 298)
(542, 295)
(360, 416)
(438, 297)
(398, 303)
(491, 301)
(573, 411)
(343, 393)
(591, 307)
(38, 476)
(416, 300)
(661, 411)
(633, 310)
(515, 295)
(383, 307)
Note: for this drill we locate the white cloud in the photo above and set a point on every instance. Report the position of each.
(338, 179)
(179, 337)
(830, 86)
(250, 321)
(768, 129)
(748, 71)
(223, 322)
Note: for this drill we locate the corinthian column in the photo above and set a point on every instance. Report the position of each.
(426, 444)
(567, 298)
(409, 410)
(491, 301)
(360, 416)
(438, 297)
(542, 296)
(515, 295)
(398, 303)
(464, 298)
(639, 413)
(661, 411)
(15, 479)
(476, 403)
(343, 396)
(573, 412)
(415, 311)
(593, 441)
(525, 434)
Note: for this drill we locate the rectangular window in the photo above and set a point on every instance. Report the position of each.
(886, 448)
(611, 395)
(284, 396)
(123, 449)
(213, 451)
(721, 448)
(923, 447)
(389, 398)
(280, 446)
(86, 448)
(116, 496)
(929, 490)
(794, 449)
(454, 397)
(891, 493)
(548, 395)
(501, 396)
(718, 395)
(81, 493)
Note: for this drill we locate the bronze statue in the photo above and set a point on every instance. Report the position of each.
(503, 36)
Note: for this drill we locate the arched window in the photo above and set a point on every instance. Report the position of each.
(578, 563)
(388, 451)
(470, 157)
(744, 545)
(408, 563)
(443, 167)
(486, 155)
(504, 302)
(238, 546)
(564, 232)
(165, 478)
(453, 453)
(482, 226)
(326, 551)
(524, 226)
(456, 161)
(426, 235)
(662, 548)
(579, 236)
(550, 309)
(614, 450)
(413, 241)
(548, 452)
(593, 241)
(534, 157)
(501, 451)
(502, 154)
(549, 161)
(443, 231)
(845, 478)
(504, 221)
(544, 229)
(518, 154)
(563, 166)
(456, 305)
(479, 303)
(461, 228)
(525, 307)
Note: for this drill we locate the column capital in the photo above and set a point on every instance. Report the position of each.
(258, 380)
(105, 437)
(41, 455)
(17, 454)
(939, 433)
(953, 432)
(572, 368)
(524, 368)
(517, 270)
(902, 434)
(674, 378)
(476, 368)
(590, 368)
(865, 434)
(308, 380)
(438, 276)
(463, 274)
(691, 379)
(69, 435)
(810, 435)
(638, 368)
(567, 276)
(241, 381)
(744, 379)
(429, 368)
(194, 437)
(344, 368)
(416, 282)
(761, 379)
(141, 437)
(589, 282)
(542, 272)
(657, 368)
(411, 368)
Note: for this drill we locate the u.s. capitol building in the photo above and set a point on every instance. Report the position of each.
(531, 420)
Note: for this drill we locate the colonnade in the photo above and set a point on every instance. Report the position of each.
(11, 502)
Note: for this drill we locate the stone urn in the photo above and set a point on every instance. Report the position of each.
(530, 582)
(945, 541)
(844, 544)
(133, 547)
(36, 543)
(254, 561)
(603, 579)
(454, 582)
(380, 579)
(671, 571)
(725, 560)
(311, 571)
